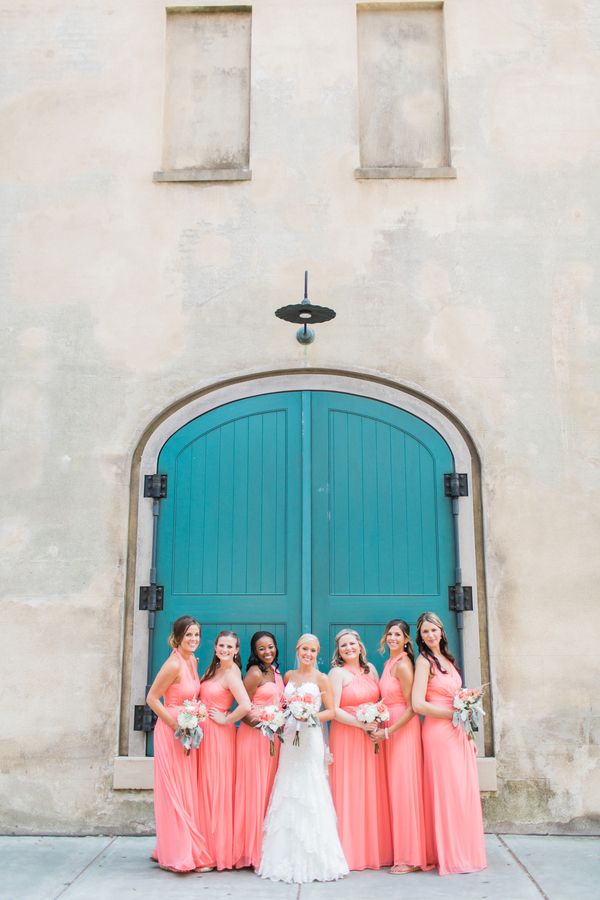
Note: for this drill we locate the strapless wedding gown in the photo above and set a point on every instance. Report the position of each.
(300, 841)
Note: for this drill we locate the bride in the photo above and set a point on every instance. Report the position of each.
(301, 842)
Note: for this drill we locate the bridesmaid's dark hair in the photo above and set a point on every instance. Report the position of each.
(405, 629)
(180, 626)
(424, 649)
(215, 662)
(255, 660)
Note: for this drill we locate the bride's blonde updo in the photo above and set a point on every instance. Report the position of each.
(304, 638)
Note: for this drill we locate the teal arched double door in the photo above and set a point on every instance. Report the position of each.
(303, 511)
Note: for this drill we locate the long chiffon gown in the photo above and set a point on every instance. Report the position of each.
(404, 764)
(450, 786)
(216, 778)
(359, 784)
(300, 841)
(180, 845)
(255, 774)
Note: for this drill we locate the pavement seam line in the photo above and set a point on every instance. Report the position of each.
(522, 866)
(86, 867)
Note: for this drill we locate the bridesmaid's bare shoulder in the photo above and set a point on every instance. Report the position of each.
(253, 677)
(423, 665)
(171, 666)
(404, 664)
(233, 675)
(336, 673)
(373, 672)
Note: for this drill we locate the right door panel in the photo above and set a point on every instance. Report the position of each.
(381, 527)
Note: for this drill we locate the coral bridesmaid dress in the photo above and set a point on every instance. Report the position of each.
(180, 845)
(450, 785)
(404, 764)
(216, 778)
(255, 773)
(359, 784)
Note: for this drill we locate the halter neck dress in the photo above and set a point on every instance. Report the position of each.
(450, 785)
(359, 784)
(216, 777)
(255, 774)
(404, 762)
(180, 844)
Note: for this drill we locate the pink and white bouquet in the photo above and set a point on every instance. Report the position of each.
(271, 720)
(373, 714)
(188, 725)
(468, 711)
(303, 707)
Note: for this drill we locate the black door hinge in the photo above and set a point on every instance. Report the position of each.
(460, 598)
(456, 485)
(152, 597)
(143, 718)
(155, 486)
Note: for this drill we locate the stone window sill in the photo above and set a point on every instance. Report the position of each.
(199, 174)
(136, 773)
(404, 172)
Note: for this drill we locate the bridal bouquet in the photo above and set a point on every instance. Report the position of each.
(468, 711)
(373, 714)
(303, 708)
(271, 720)
(188, 725)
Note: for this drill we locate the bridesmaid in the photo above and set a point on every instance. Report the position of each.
(403, 751)
(255, 767)
(450, 783)
(220, 686)
(357, 775)
(180, 846)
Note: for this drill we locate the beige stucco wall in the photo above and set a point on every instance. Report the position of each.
(121, 296)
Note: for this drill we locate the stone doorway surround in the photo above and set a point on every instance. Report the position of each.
(132, 769)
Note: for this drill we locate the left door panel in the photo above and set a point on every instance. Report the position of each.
(229, 531)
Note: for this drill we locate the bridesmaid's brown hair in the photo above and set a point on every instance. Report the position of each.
(216, 662)
(405, 629)
(424, 649)
(180, 626)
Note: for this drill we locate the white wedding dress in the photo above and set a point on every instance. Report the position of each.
(300, 842)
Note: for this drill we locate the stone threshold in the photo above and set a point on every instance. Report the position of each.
(135, 773)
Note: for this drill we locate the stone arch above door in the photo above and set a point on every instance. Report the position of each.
(465, 457)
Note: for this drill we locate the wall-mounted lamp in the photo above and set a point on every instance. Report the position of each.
(305, 312)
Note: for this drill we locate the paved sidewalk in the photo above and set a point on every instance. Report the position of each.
(520, 867)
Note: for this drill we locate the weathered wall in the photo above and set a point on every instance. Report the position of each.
(121, 296)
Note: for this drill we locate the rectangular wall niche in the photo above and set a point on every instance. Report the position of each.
(207, 94)
(403, 114)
